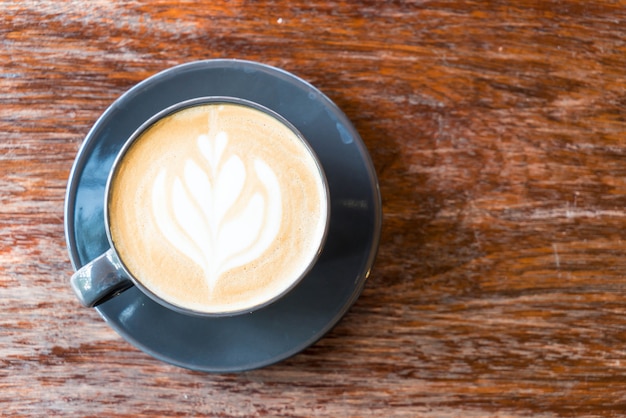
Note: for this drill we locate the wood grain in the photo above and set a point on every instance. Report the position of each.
(498, 132)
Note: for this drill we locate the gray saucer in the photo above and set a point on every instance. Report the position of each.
(284, 328)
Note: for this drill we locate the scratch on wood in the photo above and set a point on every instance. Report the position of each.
(556, 257)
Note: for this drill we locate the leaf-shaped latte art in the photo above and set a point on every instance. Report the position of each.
(205, 215)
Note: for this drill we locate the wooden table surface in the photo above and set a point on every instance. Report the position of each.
(498, 132)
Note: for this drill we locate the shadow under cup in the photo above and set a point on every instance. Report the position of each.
(214, 206)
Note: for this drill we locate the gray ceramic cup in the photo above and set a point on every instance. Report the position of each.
(107, 276)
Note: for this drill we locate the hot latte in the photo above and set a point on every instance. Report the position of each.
(217, 208)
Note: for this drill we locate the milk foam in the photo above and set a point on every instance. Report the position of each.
(203, 215)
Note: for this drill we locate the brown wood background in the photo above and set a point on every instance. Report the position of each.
(498, 130)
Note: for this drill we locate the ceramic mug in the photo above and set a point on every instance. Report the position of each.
(214, 206)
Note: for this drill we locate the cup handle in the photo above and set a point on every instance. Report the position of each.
(100, 280)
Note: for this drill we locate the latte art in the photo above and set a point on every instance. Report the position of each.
(217, 208)
(203, 214)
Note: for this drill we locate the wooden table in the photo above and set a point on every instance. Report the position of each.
(498, 131)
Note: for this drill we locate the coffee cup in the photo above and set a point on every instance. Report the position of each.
(214, 206)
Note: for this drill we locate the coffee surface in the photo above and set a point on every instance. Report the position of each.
(217, 208)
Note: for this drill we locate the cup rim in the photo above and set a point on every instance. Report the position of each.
(198, 101)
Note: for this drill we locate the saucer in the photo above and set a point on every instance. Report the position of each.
(321, 299)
